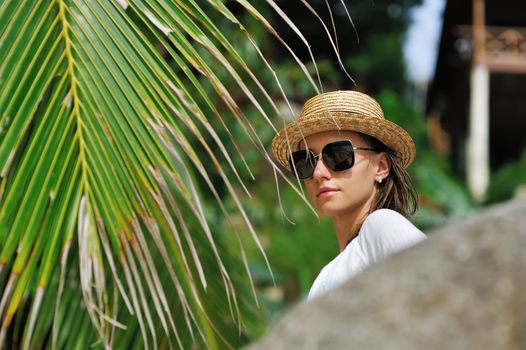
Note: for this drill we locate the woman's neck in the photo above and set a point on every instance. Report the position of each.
(348, 225)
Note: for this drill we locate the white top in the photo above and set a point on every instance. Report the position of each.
(383, 233)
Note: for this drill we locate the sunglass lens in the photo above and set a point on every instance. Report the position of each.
(338, 155)
(303, 163)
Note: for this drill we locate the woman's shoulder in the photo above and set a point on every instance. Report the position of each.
(387, 220)
(386, 229)
(386, 215)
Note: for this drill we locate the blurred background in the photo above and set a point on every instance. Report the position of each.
(424, 61)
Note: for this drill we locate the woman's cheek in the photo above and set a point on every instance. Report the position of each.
(311, 190)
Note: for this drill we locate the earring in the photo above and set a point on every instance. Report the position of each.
(379, 179)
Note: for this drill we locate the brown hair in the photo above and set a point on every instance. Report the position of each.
(396, 191)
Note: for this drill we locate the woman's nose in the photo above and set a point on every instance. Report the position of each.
(321, 171)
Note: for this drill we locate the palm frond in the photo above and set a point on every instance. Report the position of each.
(105, 132)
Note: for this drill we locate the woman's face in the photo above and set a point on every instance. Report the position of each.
(336, 193)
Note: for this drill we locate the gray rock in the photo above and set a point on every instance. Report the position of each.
(463, 288)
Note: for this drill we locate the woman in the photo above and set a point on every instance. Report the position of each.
(352, 161)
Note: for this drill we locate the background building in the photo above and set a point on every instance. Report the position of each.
(479, 90)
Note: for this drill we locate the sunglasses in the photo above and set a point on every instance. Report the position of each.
(337, 156)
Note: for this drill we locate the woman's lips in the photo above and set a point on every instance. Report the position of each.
(325, 191)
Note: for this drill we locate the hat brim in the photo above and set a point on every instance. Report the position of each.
(389, 133)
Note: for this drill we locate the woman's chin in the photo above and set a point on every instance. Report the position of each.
(329, 210)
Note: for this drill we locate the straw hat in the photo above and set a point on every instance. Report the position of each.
(343, 110)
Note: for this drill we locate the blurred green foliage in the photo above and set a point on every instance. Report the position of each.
(506, 181)
(298, 250)
(299, 242)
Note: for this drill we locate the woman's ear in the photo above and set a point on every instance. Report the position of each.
(383, 165)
